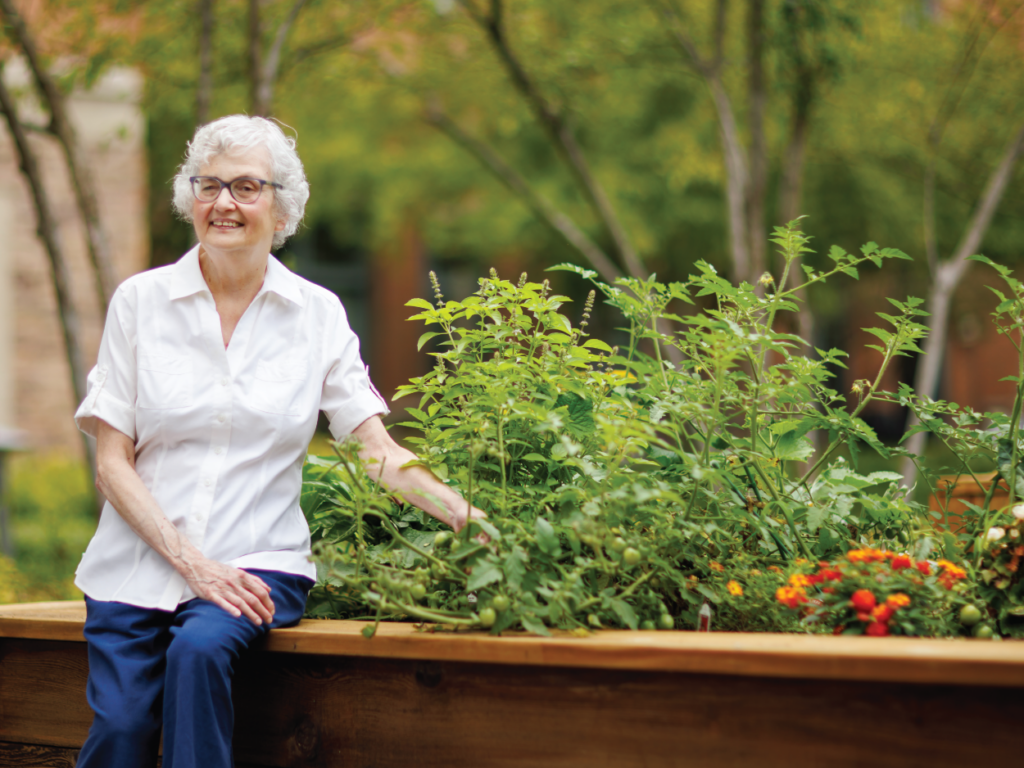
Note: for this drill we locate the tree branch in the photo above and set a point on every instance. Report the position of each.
(560, 133)
(49, 233)
(272, 62)
(81, 177)
(204, 88)
(947, 279)
(560, 223)
(737, 178)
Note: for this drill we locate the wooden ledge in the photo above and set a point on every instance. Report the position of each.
(902, 660)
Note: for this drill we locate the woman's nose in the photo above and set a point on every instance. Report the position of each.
(224, 199)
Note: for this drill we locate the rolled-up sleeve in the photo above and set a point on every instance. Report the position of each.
(112, 382)
(349, 397)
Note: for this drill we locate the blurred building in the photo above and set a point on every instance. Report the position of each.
(35, 385)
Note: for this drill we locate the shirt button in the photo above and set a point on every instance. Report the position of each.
(222, 418)
(198, 517)
(218, 450)
(207, 482)
(225, 381)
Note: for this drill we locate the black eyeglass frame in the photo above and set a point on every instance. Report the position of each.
(262, 182)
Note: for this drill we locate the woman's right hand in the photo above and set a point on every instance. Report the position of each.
(237, 592)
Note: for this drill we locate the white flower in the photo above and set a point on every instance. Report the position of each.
(995, 534)
(1018, 511)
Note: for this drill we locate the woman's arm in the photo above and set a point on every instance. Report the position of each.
(237, 592)
(384, 459)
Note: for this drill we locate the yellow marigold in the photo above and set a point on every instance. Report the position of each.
(897, 601)
(799, 581)
(717, 567)
(866, 555)
(754, 572)
(734, 588)
(954, 570)
(800, 561)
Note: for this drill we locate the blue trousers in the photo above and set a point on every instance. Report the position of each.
(151, 668)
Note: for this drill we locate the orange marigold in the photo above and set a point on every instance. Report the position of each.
(734, 588)
(882, 612)
(863, 600)
(867, 555)
(924, 567)
(897, 601)
(800, 581)
(951, 573)
(717, 567)
(790, 597)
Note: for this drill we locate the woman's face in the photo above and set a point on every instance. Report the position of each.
(226, 226)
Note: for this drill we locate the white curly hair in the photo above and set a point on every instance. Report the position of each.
(237, 133)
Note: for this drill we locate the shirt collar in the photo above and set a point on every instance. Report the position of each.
(187, 279)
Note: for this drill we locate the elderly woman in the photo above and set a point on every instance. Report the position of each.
(204, 397)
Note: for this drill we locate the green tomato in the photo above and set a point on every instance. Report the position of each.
(488, 617)
(982, 632)
(665, 621)
(648, 624)
(970, 615)
(456, 543)
(500, 603)
(418, 591)
(630, 556)
(441, 537)
(619, 544)
(593, 621)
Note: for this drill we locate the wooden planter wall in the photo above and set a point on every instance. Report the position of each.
(322, 695)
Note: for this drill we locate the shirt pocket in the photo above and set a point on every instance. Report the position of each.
(278, 385)
(165, 381)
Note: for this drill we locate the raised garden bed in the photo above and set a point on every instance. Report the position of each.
(321, 694)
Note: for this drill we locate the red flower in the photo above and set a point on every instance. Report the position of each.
(838, 630)
(899, 562)
(864, 616)
(924, 567)
(863, 600)
(829, 590)
(882, 613)
(877, 629)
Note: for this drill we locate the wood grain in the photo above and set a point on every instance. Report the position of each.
(893, 659)
(304, 710)
(35, 756)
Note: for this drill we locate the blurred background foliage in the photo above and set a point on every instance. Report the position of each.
(886, 90)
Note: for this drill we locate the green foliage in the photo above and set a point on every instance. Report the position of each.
(53, 516)
(610, 476)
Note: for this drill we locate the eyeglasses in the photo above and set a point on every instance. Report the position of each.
(244, 189)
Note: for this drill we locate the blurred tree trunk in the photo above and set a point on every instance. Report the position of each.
(945, 280)
(263, 69)
(49, 233)
(81, 177)
(204, 88)
(758, 188)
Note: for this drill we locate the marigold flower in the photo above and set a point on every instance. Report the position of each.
(924, 567)
(867, 555)
(899, 562)
(799, 580)
(774, 569)
(897, 601)
(877, 629)
(734, 588)
(863, 600)
(717, 567)
(790, 597)
(951, 573)
(882, 612)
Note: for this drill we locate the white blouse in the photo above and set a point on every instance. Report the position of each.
(220, 434)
